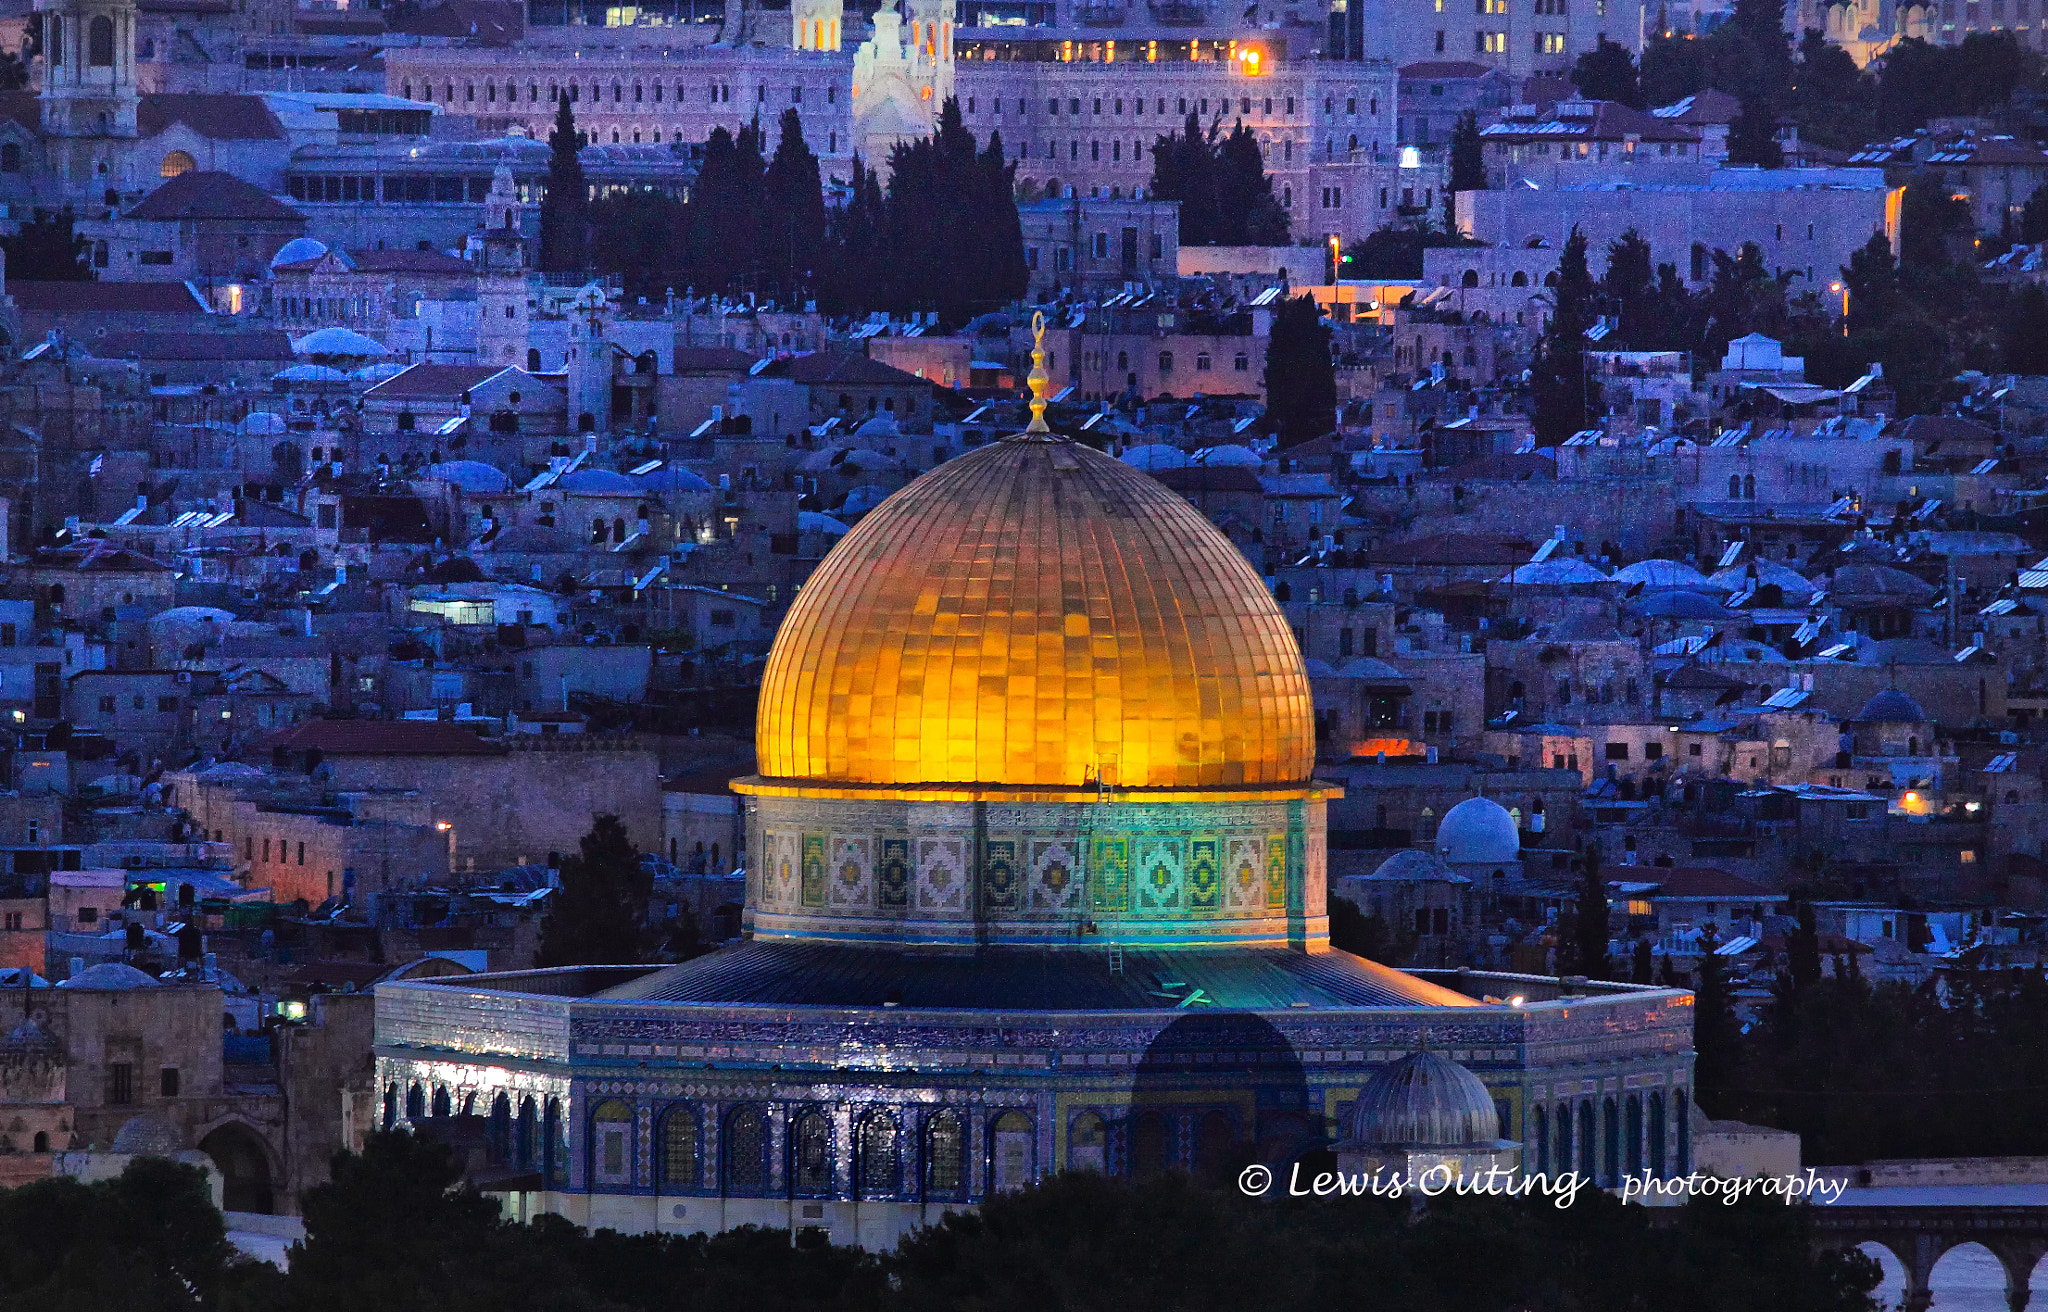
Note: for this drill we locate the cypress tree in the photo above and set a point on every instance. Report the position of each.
(1301, 380)
(565, 210)
(1468, 154)
(1566, 399)
(1590, 923)
(795, 205)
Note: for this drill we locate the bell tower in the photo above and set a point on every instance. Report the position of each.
(88, 67)
(501, 293)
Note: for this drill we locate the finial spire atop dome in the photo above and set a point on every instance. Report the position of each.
(1039, 380)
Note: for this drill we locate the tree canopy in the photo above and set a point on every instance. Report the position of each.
(1225, 194)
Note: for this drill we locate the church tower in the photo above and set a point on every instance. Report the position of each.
(88, 67)
(589, 365)
(88, 97)
(501, 291)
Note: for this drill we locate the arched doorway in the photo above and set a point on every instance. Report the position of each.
(1966, 1276)
(244, 1167)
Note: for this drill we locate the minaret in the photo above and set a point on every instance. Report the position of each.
(590, 362)
(501, 290)
(88, 94)
(930, 47)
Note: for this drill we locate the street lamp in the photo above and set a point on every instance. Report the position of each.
(1336, 261)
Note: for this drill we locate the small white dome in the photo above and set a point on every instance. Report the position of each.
(109, 975)
(1478, 832)
(297, 251)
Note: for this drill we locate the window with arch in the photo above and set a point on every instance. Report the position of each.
(1520, 279)
(945, 1156)
(679, 1149)
(1588, 1149)
(611, 1135)
(745, 1156)
(1215, 1143)
(1540, 1122)
(441, 1105)
(498, 1131)
(1610, 1141)
(99, 42)
(554, 1145)
(527, 1134)
(1151, 1145)
(1658, 1157)
(415, 1103)
(1088, 1143)
(879, 1164)
(1682, 1122)
(810, 1155)
(1471, 278)
(1634, 1131)
(1012, 1155)
(1562, 1154)
(390, 1105)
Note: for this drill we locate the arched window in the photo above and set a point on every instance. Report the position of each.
(1166, 362)
(532, 359)
(745, 1159)
(1563, 1155)
(99, 42)
(810, 1156)
(1610, 1142)
(1215, 1143)
(1635, 1134)
(945, 1156)
(679, 1149)
(390, 1105)
(1012, 1160)
(1658, 1161)
(554, 1155)
(1520, 279)
(1587, 1147)
(527, 1134)
(1541, 1124)
(1734, 486)
(1471, 278)
(440, 1103)
(415, 1103)
(1749, 487)
(1682, 1118)
(498, 1134)
(611, 1134)
(175, 164)
(1151, 1145)
(1087, 1142)
(880, 1161)
(42, 1142)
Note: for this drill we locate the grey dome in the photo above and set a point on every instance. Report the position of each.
(471, 475)
(30, 1038)
(599, 482)
(1425, 1101)
(149, 1136)
(109, 975)
(1892, 707)
(1478, 832)
(1413, 864)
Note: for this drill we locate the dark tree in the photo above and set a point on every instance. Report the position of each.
(2026, 337)
(1872, 281)
(1802, 953)
(1566, 397)
(1832, 99)
(858, 280)
(1716, 1040)
(1301, 380)
(565, 209)
(14, 69)
(1934, 227)
(1371, 937)
(46, 249)
(1640, 966)
(599, 914)
(1246, 209)
(1753, 136)
(1608, 72)
(1630, 286)
(1183, 170)
(795, 205)
(727, 212)
(1590, 920)
(1225, 193)
(1468, 154)
(2034, 218)
(1674, 67)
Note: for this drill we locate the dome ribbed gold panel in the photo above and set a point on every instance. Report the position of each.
(1036, 613)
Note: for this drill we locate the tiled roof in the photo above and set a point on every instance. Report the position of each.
(1588, 120)
(215, 117)
(1445, 68)
(842, 367)
(409, 262)
(383, 738)
(1700, 881)
(433, 380)
(104, 298)
(264, 344)
(206, 194)
(768, 973)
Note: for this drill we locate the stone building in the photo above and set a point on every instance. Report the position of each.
(1036, 882)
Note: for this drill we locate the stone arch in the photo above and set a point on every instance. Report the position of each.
(244, 1160)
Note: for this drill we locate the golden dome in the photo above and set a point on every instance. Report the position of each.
(1036, 613)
